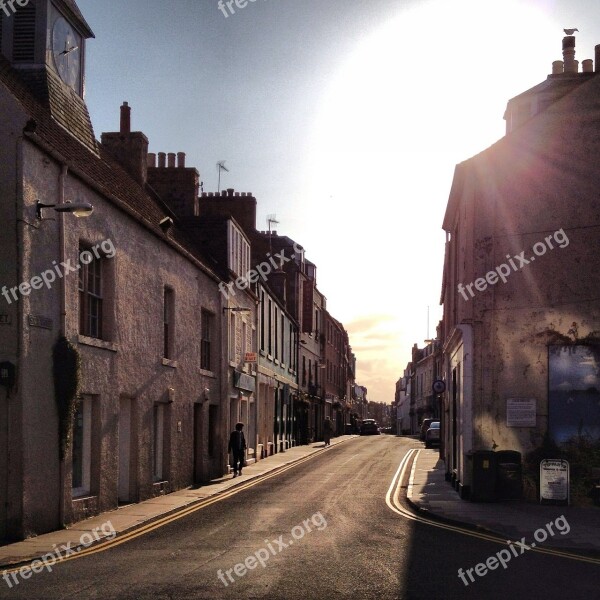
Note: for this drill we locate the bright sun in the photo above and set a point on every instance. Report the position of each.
(423, 93)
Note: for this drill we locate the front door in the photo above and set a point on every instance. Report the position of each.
(125, 450)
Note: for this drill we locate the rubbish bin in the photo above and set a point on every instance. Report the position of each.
(482, 465)
(510, 474)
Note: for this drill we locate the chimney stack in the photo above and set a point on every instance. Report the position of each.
(125, 118)
(129, 148)
(571, 65)
(598, 58)
(178, 187)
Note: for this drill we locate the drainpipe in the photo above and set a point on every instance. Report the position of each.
(63, 321)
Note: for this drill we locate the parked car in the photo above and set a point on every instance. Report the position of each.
(432, 435)
(369, 427)
(424, 427)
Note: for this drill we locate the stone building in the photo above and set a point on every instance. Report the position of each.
(521, 276)
(121, 290)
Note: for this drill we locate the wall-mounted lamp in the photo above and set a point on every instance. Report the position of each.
(78, 209)
(236, 309)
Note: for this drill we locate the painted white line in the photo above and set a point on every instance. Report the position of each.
(392, 499)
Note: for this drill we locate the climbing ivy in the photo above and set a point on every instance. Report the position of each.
(66, 366)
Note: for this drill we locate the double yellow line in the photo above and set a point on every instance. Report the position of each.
(392, 499)
(104, 545)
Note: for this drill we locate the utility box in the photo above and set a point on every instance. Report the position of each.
(483, 468)
(510, 474)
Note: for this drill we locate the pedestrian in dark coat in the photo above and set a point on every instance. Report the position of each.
(237, 447)
(327, 431)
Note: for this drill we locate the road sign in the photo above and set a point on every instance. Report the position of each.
(438, 387)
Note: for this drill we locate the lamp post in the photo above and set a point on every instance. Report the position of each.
(77, 209)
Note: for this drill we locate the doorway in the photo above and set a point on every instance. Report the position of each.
(125, 450)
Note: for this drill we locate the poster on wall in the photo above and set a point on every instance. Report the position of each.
(574, 392)
(521, 412)
(554, 481)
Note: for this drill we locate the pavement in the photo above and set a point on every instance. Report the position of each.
(130, 517)
(431, 494)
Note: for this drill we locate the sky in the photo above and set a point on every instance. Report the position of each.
(345, 118)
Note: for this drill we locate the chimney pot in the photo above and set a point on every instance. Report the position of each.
(162, 160)
(151, 159)
(230, 191)
(181, 160)
(171, 157)
(597, 58)
(125, 118)
(571, 65)
(558, 67)
(588, 65)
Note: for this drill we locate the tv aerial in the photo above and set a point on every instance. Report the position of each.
(221, 167)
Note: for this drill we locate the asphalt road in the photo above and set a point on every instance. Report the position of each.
(322, 530)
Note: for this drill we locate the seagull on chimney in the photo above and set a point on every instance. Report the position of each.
(570, 31)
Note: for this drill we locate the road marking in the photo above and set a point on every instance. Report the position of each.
(392, 499)
(184, 512)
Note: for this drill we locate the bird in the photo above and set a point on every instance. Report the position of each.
(570, 31)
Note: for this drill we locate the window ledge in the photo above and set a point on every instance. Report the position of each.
(207, 373)
(262, 353)
(167, 362)
(97, 343)
(80, 496)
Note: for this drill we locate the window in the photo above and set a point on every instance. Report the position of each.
(239, 251)
(276, 335)
(263, 321)
(82, 447)
(304, 370)
(91, 296)
(207, 319)
(158, 429)
(244, 340)
(270, 330)
(292, 345)
(168, 322)
(232, 337)
(282, 339)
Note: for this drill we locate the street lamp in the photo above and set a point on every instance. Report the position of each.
(77, 209)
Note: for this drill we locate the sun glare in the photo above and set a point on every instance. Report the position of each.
(421, 94)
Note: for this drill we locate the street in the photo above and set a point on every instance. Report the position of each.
(321, 529)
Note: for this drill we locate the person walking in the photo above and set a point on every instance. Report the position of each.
(327, 431)
(237, 447)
